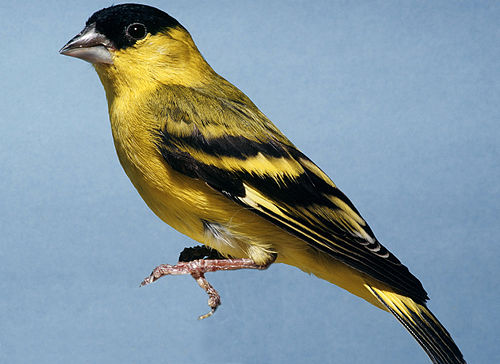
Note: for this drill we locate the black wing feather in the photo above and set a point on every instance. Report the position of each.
(305, 190)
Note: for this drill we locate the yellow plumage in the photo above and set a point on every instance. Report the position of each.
(210, 164)
(183, 203)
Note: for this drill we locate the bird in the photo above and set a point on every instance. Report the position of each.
(210, 164)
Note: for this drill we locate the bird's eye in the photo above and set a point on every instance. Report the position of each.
(136, 31)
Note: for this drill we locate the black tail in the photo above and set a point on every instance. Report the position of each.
(423, 325)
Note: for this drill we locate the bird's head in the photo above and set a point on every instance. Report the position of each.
(132, 45)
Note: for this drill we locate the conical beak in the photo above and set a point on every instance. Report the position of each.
(89, 45)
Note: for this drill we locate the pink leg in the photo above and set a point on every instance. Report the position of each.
(197, 269)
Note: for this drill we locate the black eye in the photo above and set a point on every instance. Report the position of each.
(136, 31)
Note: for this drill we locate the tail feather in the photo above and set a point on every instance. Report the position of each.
(423, 325)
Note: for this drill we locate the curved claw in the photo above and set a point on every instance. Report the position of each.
(208, 314)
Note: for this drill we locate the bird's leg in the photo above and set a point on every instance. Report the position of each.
(197, 269)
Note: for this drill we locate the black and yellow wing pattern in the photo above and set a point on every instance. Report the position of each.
(255, 165)
(264, 172)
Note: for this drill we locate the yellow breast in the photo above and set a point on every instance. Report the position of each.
(190, 206)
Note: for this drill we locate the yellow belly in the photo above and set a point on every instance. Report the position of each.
(188, 204)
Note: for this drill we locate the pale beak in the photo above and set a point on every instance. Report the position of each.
(89, 45)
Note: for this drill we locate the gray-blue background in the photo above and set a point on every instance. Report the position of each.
(397, 101)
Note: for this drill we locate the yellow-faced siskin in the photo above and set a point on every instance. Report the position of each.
(209, 163)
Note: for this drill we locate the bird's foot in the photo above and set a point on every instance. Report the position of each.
(197, 269)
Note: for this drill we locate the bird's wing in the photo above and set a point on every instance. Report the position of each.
(237, 151)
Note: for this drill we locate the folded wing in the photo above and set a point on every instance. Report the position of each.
(242, 155)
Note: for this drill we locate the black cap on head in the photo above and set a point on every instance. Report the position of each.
(114, 22)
